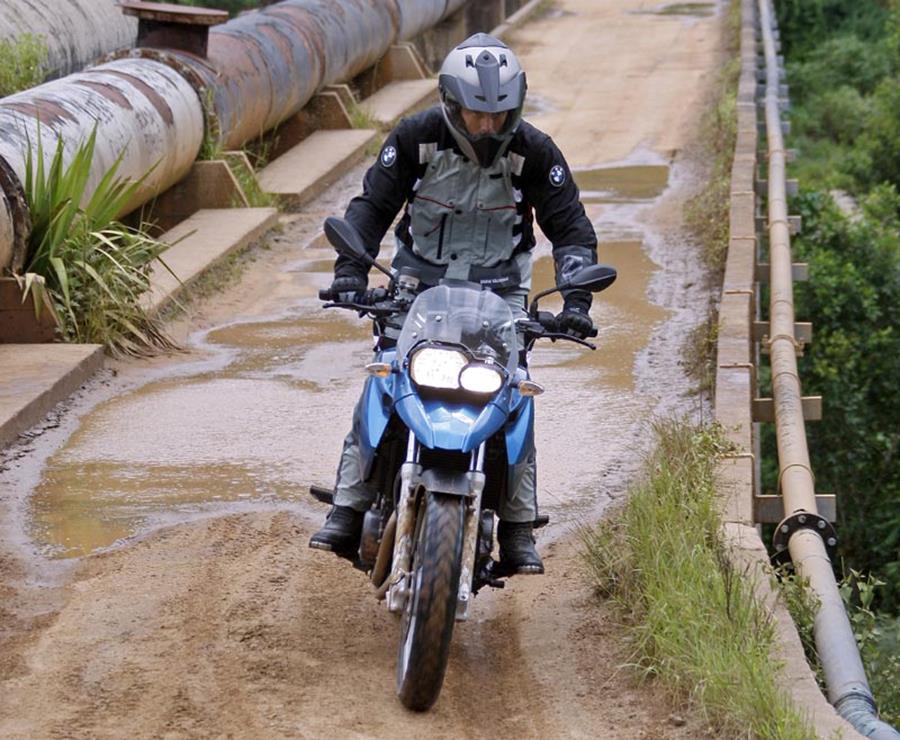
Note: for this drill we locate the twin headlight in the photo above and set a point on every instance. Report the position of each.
(449, 369)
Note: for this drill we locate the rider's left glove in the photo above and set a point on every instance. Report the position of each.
(574, 319)
(347, 288)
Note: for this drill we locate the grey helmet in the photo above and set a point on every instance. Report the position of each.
(482, 74)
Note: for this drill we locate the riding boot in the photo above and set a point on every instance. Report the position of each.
(517, 551)
(341, 531)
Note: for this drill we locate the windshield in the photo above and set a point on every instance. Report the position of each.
(476, 319)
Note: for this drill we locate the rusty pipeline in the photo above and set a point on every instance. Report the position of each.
(419, 15)
(143, 111)
(76, 32)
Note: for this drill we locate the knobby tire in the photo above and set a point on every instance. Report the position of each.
(428, 619)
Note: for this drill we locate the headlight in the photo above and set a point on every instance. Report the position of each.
(478, 378)
(437, 368)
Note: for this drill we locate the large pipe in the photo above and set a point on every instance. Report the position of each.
(76, 32)
(263, 67)
(845, 676)
(419, 15)
(143, 111)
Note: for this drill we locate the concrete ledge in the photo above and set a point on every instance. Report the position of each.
(305, 170)
(200, 242)
(398, 99)
(36, 377)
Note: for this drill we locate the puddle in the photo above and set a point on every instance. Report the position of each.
(700, 10)
(249, 431)
(622, 314)
(622, 184)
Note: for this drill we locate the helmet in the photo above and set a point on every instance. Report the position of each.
(482, 74)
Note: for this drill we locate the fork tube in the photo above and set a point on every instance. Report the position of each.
(471, 531)
(410, 473)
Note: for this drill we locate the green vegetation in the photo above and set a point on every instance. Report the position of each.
(245, 174)
(707, 213)
(843, 61)
(23, 63)
(92, 268)
(697, 625)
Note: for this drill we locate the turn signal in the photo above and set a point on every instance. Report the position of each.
(379, 369)
(529, 388)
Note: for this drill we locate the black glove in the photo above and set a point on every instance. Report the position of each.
(344, 288)
(575, 320)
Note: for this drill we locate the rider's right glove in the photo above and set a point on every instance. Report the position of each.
(347, 287)
(574, 318)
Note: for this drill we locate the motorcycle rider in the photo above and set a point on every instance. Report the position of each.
(472, 176)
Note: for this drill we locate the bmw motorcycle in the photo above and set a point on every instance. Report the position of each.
(447, 417)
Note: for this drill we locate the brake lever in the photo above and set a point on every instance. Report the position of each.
(553, 336)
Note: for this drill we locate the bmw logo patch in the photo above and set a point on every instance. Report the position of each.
(557, 175)
(388, 156)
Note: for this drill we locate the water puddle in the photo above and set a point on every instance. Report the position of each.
(622, 184)
(622, 314)
(700, 10)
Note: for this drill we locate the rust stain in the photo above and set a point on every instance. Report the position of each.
(46, 111)
(107, 91)
(156, 100)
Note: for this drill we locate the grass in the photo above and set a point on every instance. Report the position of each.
(89, 268)
(244, 172)
(696, 624)
(707, 213)
(23, 62)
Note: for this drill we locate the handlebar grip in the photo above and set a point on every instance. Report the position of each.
(325, 294)
(593, 332)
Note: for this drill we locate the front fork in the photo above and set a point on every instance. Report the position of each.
(410, 477)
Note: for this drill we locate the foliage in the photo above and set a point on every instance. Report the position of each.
(23, 63)
(93, 269)
(854, 363)
(698, 626)
(878, 637)
(804, 23)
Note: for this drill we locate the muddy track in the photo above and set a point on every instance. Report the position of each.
(222, 623)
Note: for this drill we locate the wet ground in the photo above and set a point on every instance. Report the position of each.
(200, 612)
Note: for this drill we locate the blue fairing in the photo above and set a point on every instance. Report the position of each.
(450, 426)
(375, 410)
(520, 432)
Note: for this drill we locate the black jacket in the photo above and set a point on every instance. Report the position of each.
(549, 193)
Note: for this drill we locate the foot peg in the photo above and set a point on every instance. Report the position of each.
(325, 495)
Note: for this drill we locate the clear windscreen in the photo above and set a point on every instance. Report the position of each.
(478, 320)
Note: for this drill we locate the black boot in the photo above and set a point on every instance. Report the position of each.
(341, 532)
(517, 552)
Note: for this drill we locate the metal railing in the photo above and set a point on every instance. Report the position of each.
(806, 535)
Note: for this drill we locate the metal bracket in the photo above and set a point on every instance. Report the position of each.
(799, 272)
(764, 409)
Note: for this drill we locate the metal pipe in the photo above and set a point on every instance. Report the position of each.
(76, 32)
(143, 111)
(845, 677)
(419, 15)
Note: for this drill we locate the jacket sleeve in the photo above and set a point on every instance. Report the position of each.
(385, 187)
(559, 212)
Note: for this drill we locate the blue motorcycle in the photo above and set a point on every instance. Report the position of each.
(446, 416)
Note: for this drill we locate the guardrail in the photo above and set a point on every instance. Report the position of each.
(803, 534)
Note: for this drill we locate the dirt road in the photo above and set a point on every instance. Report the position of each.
(156, 580)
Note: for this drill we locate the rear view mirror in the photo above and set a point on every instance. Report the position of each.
(593, 278)
(344, 237)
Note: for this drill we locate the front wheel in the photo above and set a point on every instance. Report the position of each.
(430, 611)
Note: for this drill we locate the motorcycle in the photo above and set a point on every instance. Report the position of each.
(446, 421)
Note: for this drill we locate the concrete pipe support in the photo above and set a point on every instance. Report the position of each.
(143, 110)
(76, 32)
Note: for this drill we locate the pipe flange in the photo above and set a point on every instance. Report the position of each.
(792, 524)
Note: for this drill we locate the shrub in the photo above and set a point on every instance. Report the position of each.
(22, 63)
(92, 268)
